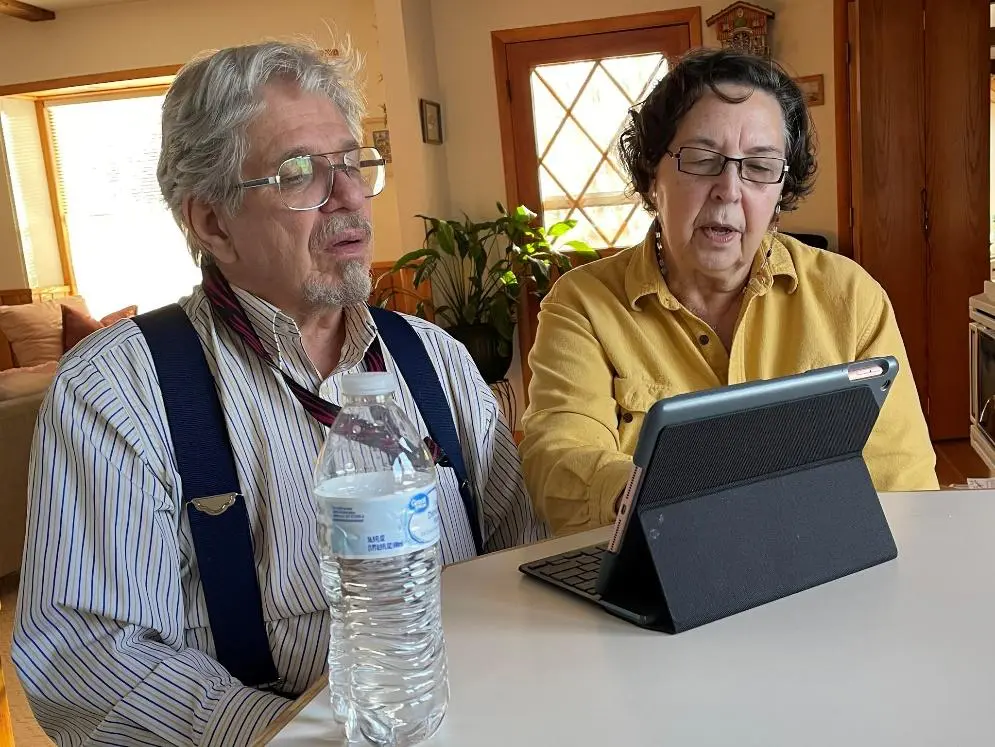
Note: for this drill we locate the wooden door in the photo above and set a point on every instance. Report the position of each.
(564, 93)
(957, 184)
(891, 162)
(853, 168)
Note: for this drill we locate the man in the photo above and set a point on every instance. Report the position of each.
(261, 167)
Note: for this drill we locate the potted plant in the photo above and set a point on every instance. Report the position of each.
(478, 271)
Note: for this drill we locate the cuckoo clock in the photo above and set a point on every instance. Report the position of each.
(743, 26)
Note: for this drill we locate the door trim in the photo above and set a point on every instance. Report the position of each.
(841, 70)
(691, 17)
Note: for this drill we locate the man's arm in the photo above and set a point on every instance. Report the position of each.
(99, 640)
(508, 517)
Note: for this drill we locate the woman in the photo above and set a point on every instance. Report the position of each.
(713, 296)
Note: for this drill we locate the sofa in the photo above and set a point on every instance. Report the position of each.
(33, 337)
(17, 425)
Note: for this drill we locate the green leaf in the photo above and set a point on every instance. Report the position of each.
(501, 319)
(446, 238)
(425, 270)
(558, 229)
(523, 212)
(540, 270)
(583, 249)
(402, 263)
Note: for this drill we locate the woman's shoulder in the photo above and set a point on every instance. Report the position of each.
(822, 271)
(603, 275)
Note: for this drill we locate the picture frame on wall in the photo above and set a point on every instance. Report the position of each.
(431, 121)
(375, 133)
(813, 89)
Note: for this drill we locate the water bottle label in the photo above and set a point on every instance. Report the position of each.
(385, 526)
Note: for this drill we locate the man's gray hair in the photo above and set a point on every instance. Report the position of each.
(210, 105)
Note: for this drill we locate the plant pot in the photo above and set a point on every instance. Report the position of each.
(482, 342)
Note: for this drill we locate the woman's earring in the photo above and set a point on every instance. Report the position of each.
(777, 218)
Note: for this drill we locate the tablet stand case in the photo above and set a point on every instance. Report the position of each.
(790, 509)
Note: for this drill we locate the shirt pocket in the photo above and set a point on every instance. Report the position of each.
(634, 396)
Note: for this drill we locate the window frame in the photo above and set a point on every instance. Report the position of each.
(150, 81)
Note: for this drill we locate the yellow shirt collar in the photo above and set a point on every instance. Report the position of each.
(643, 278)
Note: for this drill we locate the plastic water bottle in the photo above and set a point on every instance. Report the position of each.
(378, 532)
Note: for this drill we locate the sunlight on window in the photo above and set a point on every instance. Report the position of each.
(580, 109)
(125, 247)
(29, 193)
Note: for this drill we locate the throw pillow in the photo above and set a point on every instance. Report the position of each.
(34, 330)
(76, 325)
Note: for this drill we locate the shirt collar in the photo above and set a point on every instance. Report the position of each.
(643, 276)
(279, 332)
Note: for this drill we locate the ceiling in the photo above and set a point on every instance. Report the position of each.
(58, 5)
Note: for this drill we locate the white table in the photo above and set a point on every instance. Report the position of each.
(900, 654)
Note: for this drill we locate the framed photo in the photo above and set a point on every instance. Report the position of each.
(375, 133)
(431, 121)
(813, 88)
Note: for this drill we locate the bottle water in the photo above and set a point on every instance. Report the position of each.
(378, 532)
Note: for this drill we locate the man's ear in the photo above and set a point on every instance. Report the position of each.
(209, 225)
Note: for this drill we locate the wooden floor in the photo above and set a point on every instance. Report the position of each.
(955, 463)
(27, 733)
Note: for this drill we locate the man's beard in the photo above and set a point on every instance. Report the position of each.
(353, 285)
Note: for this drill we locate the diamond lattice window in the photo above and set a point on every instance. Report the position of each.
(580, 109)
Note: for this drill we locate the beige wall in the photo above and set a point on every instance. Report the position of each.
(146, 34)
(408, 53)
(803, 42)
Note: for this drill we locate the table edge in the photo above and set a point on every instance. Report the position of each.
(287, 715)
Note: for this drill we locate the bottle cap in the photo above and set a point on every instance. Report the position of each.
(368, 384)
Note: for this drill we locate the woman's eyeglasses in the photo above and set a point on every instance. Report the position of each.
(704, 162)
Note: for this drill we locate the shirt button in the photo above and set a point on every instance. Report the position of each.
(703, 339)
(627, 417)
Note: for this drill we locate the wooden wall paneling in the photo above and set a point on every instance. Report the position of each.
(957, 182)
(403, 295)
(892, 164)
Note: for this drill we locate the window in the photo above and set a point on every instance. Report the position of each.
(580, 109)
(564, 92)
(124, 245)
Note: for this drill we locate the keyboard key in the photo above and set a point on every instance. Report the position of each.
(565, 574)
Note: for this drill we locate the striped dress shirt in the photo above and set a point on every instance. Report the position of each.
(112, 641)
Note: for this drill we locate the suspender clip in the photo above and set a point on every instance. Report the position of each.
(215, 505)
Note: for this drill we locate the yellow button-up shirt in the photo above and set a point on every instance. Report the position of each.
(612, 340)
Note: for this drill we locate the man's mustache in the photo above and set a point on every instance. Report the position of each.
(336, 224)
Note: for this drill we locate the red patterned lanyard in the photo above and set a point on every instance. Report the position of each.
(228, 308)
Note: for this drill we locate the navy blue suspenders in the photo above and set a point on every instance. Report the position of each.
(212, 498)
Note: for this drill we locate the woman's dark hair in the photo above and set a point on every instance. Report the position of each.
(648, 134)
